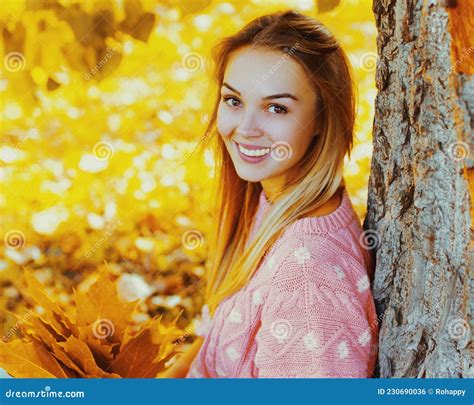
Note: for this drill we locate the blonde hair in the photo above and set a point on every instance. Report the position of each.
(318, 175)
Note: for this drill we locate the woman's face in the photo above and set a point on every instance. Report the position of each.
(266, 114)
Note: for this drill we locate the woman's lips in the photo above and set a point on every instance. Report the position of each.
(252, 147)
(251, 159)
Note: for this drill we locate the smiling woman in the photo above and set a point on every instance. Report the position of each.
(264, 115)
(288, 284)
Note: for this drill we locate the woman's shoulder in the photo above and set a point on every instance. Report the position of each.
(334, 257)
(322, 250)
(312, 273)
(322, 257)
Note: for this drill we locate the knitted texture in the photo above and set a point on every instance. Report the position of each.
(307, 312)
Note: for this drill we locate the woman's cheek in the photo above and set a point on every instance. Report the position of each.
(291, 138)
(285, 131)
(226, 122)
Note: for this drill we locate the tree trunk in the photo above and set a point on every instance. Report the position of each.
(418, 200)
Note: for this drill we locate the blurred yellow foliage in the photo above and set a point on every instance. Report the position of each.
(103, 103)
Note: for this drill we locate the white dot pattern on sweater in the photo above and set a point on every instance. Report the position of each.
(232, 353)
(364, 338)
(235, 316)
(339, 273)
(301, 254)
(307, 313)
(257, 298)
(311, 341)
(343, 350)
(363, 284)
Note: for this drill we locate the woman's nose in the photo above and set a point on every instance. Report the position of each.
(249, 126)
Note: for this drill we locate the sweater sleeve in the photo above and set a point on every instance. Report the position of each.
(318, 319)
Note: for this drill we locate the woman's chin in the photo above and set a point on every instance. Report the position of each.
(250, 174)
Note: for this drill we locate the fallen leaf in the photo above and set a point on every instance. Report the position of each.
(97, 340)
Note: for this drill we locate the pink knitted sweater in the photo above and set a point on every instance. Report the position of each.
(307, 312)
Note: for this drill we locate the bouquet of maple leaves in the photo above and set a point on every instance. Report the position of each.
(95, 339)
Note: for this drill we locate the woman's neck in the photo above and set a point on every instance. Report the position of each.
(329, 206)
(272, 187)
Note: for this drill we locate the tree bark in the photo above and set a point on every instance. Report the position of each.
(418, 199)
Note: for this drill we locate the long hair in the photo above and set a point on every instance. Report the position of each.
(318, 175)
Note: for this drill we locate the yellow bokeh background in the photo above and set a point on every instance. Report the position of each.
(101, 113)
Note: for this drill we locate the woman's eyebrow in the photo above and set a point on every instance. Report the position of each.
(230, 88)
(280, 95)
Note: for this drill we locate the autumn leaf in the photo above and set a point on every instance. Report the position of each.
(102, 302)
(53, 315)
(130, 360)
(104, 350)
(80, 353)
(98, 341)
(29, 359)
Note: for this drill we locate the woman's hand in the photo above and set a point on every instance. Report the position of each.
(183, 361)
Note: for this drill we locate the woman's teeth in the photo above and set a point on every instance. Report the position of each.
(255, 152)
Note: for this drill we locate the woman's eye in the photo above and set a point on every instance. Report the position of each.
(231, 101)
(277, 109)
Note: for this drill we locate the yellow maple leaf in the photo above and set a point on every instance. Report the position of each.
(97, 341)
(29, 359)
